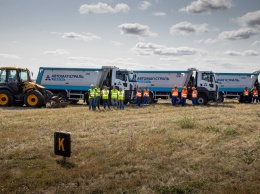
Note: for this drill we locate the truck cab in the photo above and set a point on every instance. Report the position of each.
(207, 86)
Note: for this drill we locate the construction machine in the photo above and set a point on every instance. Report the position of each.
(17, 88)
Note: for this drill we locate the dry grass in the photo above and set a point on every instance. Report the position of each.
(154, 149)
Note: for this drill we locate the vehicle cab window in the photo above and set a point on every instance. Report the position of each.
(24, 76)
(2, 76)
(12, 77)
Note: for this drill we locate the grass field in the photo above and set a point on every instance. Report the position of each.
(154, 149)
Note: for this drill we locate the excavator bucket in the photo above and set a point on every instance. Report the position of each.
(56, 102)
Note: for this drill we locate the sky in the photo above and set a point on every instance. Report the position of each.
(216, 35)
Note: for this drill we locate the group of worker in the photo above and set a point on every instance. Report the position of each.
(184, 95)
(118, 97)
(95, 95)
(246, 95)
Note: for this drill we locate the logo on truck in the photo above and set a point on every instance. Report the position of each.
(63, 77)
(150, 79)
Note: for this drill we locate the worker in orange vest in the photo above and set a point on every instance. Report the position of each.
(175, 95)
(184, 95)
(139, 96)
(255, 95)
(246, 98)
(146, 96)
(194, 96)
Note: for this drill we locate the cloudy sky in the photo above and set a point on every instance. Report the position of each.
(217, 35)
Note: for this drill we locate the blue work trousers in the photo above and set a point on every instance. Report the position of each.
(91, 103)
(146, 100)
(121, 104)
(183, 101)
(255, 99)
(106, 103)
(114, 102)
(174, 100)
(139, 99)
(194, 101)
(97, 102)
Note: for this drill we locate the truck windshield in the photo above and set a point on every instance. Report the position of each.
(209, 77)
(132, 77)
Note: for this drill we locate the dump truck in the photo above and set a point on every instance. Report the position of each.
(160, 83)
(232, 85)
(73, 83)
(17, 88)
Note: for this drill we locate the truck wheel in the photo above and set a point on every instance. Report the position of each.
(220, 98)
(202, 100)
(6, 98)
(125, 102)
(150, 99)
(33, 98)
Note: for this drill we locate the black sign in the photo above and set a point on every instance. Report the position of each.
(62, 145)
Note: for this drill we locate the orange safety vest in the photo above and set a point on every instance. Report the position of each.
(246, 93)
(138, 94)
(194, 94)
(146, 93)
(255, 93)
(175, 92)
(184, 93)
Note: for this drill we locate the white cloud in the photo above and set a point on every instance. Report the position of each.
(233, 53)
(256, 43)
(116, 43)
(9, 56)
(159, 14)
(206, 41)
(144, 5)
(136, 29)
(251, 53)
(154, 49)
(87, 37)
(251, 19)
(207, 6)
(57, 52)
(245, 53)
(186, 28)
(243, 33)
(169, 59)
(81, 59)
(102, 8)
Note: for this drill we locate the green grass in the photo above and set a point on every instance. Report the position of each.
(156, 149)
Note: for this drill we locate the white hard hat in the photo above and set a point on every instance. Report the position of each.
(92, 85)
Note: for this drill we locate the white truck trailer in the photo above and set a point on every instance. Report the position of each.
(232, 85)
(161, 83)
(73, 83)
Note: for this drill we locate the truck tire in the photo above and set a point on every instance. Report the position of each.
(202, 100)
(6, 98)
(220, 97)
(33, 98)
(150, 99)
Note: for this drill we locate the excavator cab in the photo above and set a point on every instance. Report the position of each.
(17, 88)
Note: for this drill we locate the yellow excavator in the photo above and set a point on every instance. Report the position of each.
(17, 88)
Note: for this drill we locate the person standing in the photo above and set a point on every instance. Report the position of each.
(91, 98)
(255, 95)
(175, 95)
(97, 99)
(194, 96)
(114, 93)
(105, 97)
(146, 96)
(184, 94)
(246, 98)
(139, 96)
(121, 98)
